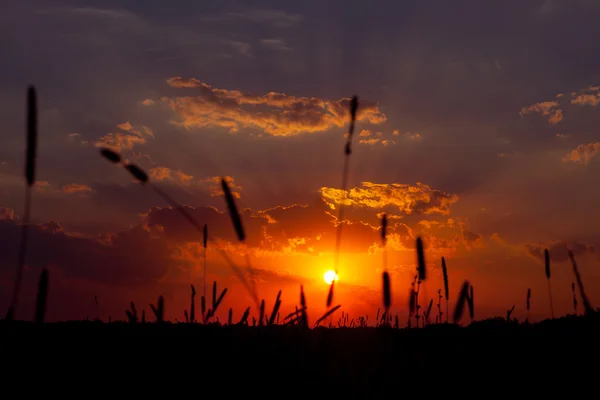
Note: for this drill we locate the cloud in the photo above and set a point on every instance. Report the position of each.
(548, 109)
(586, 99)
(589, 96)
(76, 188)
(275, 114)
(275, 44)
(212, 184)
(163, 173)
(555, 113)
(559, 250)
(583, 153)
(49, 189)
(420, 199)
(275, 18)
(136, 255)
(127, 139)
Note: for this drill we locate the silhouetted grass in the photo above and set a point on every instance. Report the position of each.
(586, 303)
(340, 217)
(30, 161)
(547, 270)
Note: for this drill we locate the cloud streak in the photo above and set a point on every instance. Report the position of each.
(417, 199)
(276, 114)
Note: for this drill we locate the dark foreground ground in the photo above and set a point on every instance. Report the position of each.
(353, 360)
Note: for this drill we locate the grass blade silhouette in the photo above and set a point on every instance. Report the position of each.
(42, 297)
(142, 177)
(327, 314)
(30, 161)
(547, 265)
(471, 303)
(275, 309)
(574, 297)
(159, 310)
(463, 297)
(111, 156)
(387, 293)
(586, 303)
(193, 305)
(421, 260)
(446, 288)
(233, 211)
(340, 217)
(303, 307)
(205, 243)
(528, 304)
(387, 296)
(236, 219)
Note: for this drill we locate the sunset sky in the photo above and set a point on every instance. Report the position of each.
(477, 130)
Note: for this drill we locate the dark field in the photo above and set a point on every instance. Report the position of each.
(360, 358)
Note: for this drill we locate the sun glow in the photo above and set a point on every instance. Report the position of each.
(330, 276)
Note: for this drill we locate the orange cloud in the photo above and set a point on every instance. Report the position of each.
(369, 141)
(583, 153)
(586, 99)
(163, 173)
(552, 110)
(127, 139)
(47, 188)
(276, 114)
(549, 109)
(214, 185)
(76, 188)
(420, 198)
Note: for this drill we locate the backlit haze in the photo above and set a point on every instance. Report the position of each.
(477, 130)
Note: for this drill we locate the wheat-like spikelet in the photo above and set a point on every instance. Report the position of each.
(463, 297)
(340, 217)
(586, 303)
(387, 292)
(142, 177)
(30, 161)
(446, 288)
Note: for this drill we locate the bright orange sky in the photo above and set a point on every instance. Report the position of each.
(479, 139)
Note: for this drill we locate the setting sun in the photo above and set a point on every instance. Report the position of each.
(330, 276)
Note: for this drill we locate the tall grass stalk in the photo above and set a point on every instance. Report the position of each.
(586, 303)
(30, 158)
(547, 270)
(446, 291)
(143, 178)
(463, 298)
(528, 304)
(387, 293)
(205, 243)
(340, 217)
